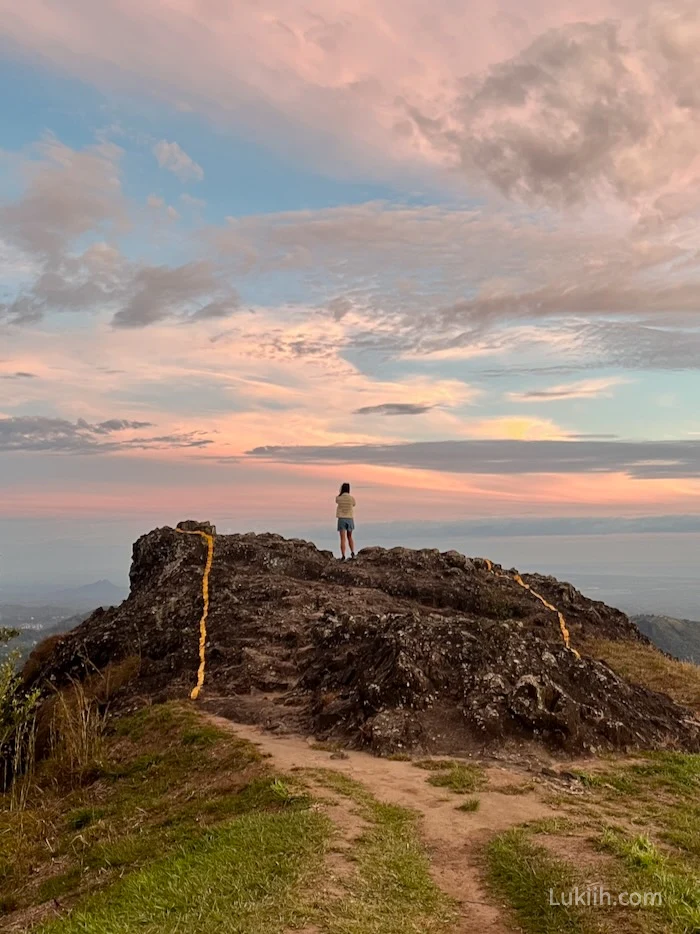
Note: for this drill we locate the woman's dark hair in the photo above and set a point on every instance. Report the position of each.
(345, 488)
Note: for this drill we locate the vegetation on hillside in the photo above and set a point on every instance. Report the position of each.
(18, 709)
(157, 821)
(646, 665)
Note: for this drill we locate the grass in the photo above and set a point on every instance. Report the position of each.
(661, 794)
(83, 817)
(183, 827)
(551, 825)
(525, 873)
(242, 878)
(652, 871)
(462, 779)
(163, 779)
(469, 806)
(663, 791)
(434, 765)
(647, 666)
(391, 891)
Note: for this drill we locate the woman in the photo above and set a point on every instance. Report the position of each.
(345, 514)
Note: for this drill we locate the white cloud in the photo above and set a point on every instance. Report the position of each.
(172, 156)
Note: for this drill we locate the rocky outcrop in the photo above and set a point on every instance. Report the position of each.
(398, 649)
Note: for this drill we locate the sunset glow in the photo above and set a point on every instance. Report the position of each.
(265, 238)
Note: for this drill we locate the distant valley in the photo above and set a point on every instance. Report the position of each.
(40, 612)
(87, 597)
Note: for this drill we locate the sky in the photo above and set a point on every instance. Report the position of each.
(445, 251)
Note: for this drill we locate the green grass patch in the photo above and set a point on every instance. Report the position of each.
(462, 779)
(392, 891)
(525, 874)
(83, 817)
(660, 794)
(555, 826)
(165, 778)
(60, 885)
(651, 871)
(663, 792)
(201, 736)
(243, 878)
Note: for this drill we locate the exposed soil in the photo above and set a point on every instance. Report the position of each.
(454, 838)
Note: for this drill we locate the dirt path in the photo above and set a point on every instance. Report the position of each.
(454, 839)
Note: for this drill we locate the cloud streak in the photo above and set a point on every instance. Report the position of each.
(649, 460)
(39, 433)
(70, 195)
(584, 389)
(394, 408)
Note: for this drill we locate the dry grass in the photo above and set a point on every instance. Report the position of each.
(647, 666)
(77, 710)
(469, 806)
(77, 732)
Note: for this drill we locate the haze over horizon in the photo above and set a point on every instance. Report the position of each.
(448, 253)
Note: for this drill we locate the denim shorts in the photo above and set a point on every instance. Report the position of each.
(346, 525)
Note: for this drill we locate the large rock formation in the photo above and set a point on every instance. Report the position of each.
(398, 649)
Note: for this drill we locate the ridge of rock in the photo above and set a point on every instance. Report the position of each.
(397, 650)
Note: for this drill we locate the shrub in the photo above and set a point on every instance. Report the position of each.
(18, 709)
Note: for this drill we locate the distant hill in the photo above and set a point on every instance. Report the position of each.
(88, 597)
(678, 637)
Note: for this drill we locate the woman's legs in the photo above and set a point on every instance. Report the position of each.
(351, 542)
(343, 541)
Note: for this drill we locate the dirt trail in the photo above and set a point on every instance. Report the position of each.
(454, 838)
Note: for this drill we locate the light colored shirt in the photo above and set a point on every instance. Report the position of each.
(346, 506)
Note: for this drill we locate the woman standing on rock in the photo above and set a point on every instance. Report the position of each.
(345, 514)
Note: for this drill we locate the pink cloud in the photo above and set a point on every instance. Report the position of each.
(353, 70)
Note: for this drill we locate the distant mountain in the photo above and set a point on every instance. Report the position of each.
(89, 596)
(679, 637)
(74, 599)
